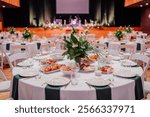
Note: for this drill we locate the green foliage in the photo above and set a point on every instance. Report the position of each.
(128, 29)
(27, 34)
(76, 48)
(11, 30)
(119, 34)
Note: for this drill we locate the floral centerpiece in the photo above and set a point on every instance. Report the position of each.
(128, 29)
(27, 34)
(118, 34)
(11, 30)
(76, 48)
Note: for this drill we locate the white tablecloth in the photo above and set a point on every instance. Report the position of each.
(115, 46)
(33, 88)
(31, 47)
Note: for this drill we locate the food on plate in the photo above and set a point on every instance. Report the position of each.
(88, 60)
(48, 61)
(68, 68)
(87, 67)
(94, 57)
(106, 69)
(51, 68)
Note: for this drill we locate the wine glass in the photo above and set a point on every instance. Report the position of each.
(73, 73)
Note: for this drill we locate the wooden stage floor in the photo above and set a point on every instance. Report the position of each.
(99, 32)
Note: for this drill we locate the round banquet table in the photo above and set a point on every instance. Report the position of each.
(139, 45)
(31, 47)
(34, 88)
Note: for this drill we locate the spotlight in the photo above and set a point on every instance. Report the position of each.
(3, 6)
(141, 5)
(147, 4)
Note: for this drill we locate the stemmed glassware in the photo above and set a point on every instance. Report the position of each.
(73, 73)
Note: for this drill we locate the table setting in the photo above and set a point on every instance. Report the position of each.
(69, 82)
(80, 72)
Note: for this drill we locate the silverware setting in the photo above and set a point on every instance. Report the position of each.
(88, 85)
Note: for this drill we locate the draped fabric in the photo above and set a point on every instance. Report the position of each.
(41, 11)
(102, 11)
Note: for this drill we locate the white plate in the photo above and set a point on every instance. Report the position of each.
(58, 81)
(125, 73)
(28, 73)
(117, 58)
(128, 63)
(25, 64)
(58, 56)
(39, 57)
(98, 82)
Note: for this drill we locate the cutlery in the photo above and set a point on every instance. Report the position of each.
(88, 85)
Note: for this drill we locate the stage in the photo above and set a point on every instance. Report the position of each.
(99, 32)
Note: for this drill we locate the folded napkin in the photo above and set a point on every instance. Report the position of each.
(52, 93)
(23, 49)
(8, 46)
(38, 45)
(139, 94)
(138, 48)
(15, 86)
(107, 44)
(103, 93)
(123, 49)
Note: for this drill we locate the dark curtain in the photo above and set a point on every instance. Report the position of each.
(41, 11)
(104, 11)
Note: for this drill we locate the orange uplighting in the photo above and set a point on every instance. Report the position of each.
(130, 2)
(12, 2)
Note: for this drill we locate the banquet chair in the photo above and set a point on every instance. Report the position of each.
(145, 62)
(4, 84)
(147, 49)
(100, 45)
(19, 48)
(1, 58)
(145, 59)
(3, 54)
(45, 48)
(127, 50)
(114, 49)
(147, 87)
(14, 58)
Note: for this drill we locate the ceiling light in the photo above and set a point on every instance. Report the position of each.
(3, 6)
(141, 5)
(147, 4)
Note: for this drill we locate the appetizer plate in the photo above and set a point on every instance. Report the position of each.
(124, 73)
(61, 81)
(98, 82)
(27, 73)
